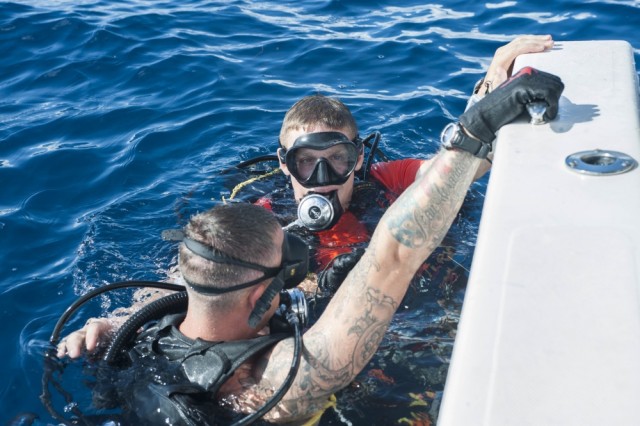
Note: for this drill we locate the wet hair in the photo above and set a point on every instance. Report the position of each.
(240, 230)
(317, 110)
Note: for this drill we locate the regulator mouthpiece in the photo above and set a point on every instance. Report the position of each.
(292, 304)
(318, 212)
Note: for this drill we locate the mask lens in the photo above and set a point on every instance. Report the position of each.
(339, 159)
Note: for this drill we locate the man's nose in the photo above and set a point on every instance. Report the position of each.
(322, 173)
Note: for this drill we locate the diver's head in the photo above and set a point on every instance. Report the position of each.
(235, 259)
(307, 124)
(322, 162)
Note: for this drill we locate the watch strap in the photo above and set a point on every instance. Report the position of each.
(460, 140)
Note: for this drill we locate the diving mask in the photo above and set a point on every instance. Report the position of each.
(322, 158)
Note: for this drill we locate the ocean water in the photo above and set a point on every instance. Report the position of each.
(117, 118)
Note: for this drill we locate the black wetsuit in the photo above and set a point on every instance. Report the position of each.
(173, 379)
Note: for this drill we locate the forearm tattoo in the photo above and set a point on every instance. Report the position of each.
(443, 187)
(369, 329)
(419, 219)
(325, 369)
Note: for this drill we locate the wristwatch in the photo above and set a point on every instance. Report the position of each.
(453, 137)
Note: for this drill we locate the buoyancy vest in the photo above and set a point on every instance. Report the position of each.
(174, 379)
(354, 228)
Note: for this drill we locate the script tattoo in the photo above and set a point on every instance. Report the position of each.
(445, 188)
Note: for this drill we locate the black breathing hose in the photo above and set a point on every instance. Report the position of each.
(251, 162)
(177, 302)
(55, 335)
(52, 365)
(170, 304)
(373, 149)
(288, 381)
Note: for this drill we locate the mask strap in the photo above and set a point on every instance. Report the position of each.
(214, 290)
(214, 255)
(217, 256)
(282, 155)
(264, 303)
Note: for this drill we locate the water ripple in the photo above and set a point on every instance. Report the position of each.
(116, 118)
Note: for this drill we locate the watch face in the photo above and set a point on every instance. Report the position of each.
(448, 134)
(453, 137)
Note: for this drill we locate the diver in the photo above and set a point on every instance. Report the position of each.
(236, 259)
(321, 152)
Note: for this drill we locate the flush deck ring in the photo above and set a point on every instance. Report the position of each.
(599, 162)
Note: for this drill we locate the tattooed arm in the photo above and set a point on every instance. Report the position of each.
(349, 331)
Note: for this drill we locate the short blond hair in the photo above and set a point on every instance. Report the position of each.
(318, 110)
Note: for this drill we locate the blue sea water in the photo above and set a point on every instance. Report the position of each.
(118, 116)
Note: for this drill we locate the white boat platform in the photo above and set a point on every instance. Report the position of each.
(550, 325)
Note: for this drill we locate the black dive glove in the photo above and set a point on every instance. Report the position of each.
(331, 278)
(510, 99)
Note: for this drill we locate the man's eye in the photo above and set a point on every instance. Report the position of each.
(306, 161)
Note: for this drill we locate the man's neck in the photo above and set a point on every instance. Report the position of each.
(216, 328)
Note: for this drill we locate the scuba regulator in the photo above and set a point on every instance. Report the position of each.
(319, 211)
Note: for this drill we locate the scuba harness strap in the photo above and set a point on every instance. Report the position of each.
(206, 364)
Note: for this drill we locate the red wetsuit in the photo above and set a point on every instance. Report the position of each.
(355, 226)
